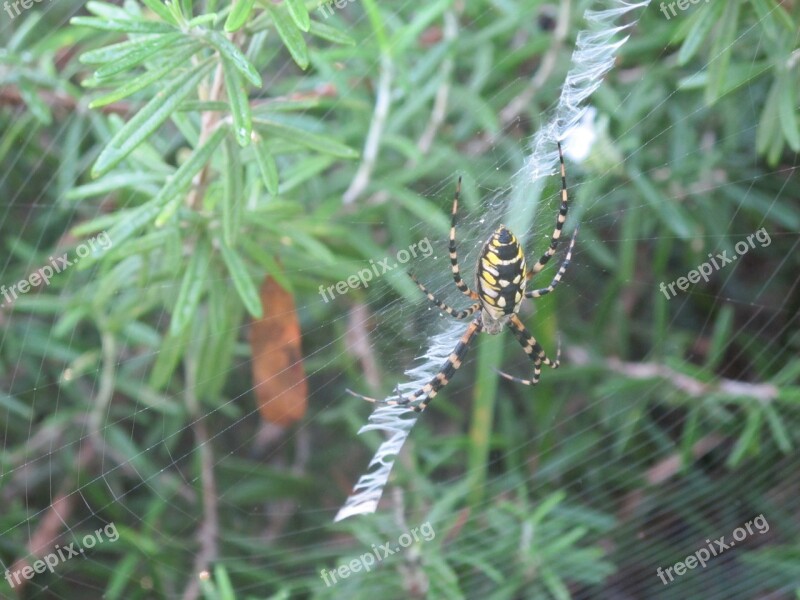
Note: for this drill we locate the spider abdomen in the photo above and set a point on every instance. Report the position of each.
(500, 275)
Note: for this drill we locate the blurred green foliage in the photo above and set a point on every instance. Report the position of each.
(218, 143)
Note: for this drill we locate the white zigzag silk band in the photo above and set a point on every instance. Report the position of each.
(596, 48)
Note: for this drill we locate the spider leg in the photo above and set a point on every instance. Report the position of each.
(533, 349)
(453, 254)
(441, 379)
(457, 314)
(363, 397)
(450, 366)
(560, 219)
(557, 279)
(374, 401)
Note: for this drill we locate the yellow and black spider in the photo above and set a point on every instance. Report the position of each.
(500, 278)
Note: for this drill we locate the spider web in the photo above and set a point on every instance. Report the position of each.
(528, 187)
(592, 59)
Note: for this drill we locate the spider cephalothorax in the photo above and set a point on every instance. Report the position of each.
(500, 278)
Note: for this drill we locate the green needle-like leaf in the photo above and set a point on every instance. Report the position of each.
(22, 33)
(161, 10)
(782, 438)
(671, 213)
(314, 141)
(326, 32)
(129, 26)
(299, 13)
(787, 107)
(227, 50)
(239, 103)
(291, 37)
(141, 53)
(113, 52)
(231, 193)
(242, 281)
(172, 193)
(267, 167)
(704, 20)
(194, 280)
(748, 438)
(139, 83)
(239, 15)
(721, 52)
(147, 120)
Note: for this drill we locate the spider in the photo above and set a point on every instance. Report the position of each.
(500, 279)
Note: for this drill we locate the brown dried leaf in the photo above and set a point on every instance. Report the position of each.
(278, 375)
